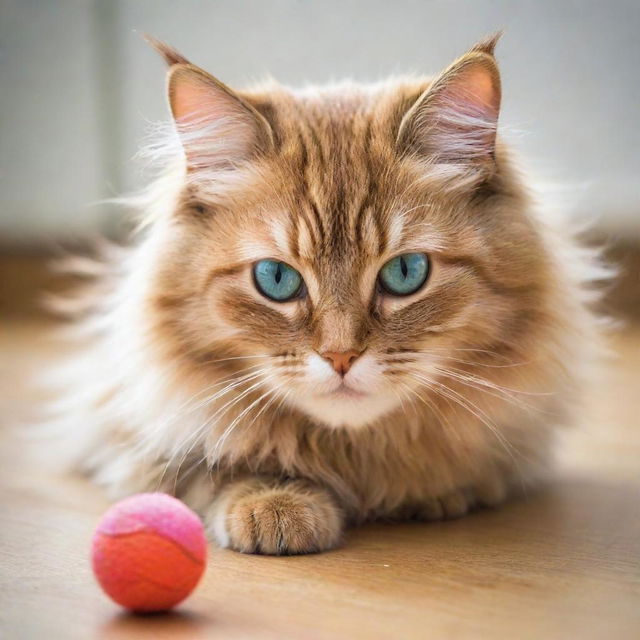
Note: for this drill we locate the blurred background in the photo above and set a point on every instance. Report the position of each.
(80, 89)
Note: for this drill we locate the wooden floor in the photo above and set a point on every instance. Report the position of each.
(562, 563)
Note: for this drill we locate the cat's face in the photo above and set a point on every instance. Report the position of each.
(344, 259)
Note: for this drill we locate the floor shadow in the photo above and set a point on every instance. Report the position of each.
(170, 624)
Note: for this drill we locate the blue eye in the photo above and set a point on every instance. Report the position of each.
(405, 274)
(276, 280)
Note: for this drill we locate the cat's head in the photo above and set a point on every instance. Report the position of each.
(336, 249)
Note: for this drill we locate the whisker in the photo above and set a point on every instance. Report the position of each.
(487, 388)
(260, 355)
(267, 404)
(472, 408)
(185, 409)
(487, 352)
(432, 407)
(489, 366)
(227, 432)
(195, 437)
(483, 381)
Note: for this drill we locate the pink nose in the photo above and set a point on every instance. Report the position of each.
(341, 361)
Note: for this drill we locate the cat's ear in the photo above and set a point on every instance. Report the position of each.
(171, 56)
(217, 127)
(454, 121)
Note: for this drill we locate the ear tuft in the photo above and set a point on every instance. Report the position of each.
(170, 55)
(488, 45)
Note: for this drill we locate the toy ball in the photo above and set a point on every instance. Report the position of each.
(149, 552)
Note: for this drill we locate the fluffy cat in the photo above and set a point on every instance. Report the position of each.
(342, 305)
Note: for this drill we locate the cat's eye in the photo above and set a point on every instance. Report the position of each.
(404, 274)
(277, 280)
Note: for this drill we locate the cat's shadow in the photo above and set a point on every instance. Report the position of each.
(561, 511)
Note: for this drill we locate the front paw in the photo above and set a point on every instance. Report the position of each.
(284, 519)
(457, 503)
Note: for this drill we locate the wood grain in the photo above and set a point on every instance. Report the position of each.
(562, 563)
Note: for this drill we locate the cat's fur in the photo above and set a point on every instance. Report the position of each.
(194, 383)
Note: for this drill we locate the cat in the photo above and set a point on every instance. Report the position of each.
(342, 304)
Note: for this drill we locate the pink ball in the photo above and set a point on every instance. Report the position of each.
(149, 552)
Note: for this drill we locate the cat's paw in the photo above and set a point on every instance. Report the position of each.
(459, 502)
(451, 505)
(285, 519)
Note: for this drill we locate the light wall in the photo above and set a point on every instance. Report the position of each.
(79, 86)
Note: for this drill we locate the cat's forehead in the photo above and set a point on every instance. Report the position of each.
(337, 109)
(336, 190)
(333, 161)
(333, 242)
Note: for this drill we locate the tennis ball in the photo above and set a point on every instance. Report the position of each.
(149, 552)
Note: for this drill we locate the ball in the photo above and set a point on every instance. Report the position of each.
(149, 552)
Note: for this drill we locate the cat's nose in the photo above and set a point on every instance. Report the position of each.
(341, 361)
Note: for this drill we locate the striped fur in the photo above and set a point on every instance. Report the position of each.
(194, 383)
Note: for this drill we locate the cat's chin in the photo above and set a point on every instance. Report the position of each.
(347, 408)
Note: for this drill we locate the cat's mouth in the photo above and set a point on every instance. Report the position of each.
(345, 391)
